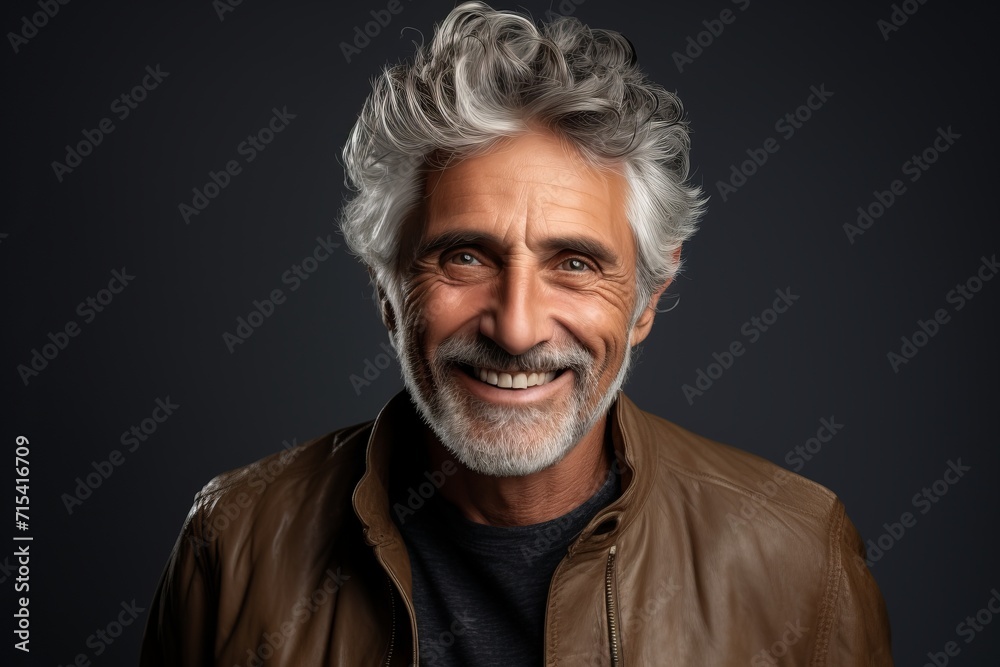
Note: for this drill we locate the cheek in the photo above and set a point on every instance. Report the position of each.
(438, 310)
(596, 319)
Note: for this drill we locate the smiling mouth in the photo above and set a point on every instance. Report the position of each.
(512, 379)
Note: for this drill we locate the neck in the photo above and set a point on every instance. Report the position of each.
(535, 498)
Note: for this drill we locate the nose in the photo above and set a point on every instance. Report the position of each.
(519, 316)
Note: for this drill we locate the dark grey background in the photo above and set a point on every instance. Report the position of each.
(162, 336)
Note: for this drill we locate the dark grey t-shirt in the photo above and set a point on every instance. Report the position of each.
(480, 591)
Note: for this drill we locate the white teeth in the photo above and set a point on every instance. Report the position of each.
(514, 380)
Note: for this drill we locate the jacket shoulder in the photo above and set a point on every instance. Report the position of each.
(299, 478)
(729, 471)
(250, 546)
(738, 529)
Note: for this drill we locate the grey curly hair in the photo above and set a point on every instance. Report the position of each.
(489, 75)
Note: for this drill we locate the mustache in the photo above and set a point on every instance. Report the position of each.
(481, 352)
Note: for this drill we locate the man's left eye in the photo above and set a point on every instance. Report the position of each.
(576, 265)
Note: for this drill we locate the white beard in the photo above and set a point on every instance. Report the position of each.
(505, 440)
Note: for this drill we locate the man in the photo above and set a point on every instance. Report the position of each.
(521, 202)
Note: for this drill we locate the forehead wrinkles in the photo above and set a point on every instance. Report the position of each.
(536, 191)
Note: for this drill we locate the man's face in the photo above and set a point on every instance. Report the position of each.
(515, 334)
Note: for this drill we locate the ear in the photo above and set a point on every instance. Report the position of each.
(385, 307)
(645, 322)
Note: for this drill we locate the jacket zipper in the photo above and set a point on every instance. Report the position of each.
(609, 598)
(392, 632)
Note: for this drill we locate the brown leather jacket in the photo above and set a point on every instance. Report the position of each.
(710, 557)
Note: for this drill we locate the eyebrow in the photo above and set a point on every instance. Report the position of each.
(583, 245)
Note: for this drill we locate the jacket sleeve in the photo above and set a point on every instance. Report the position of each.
(180, 628)
(854, 624)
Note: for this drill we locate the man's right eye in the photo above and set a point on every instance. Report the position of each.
(464, 259)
